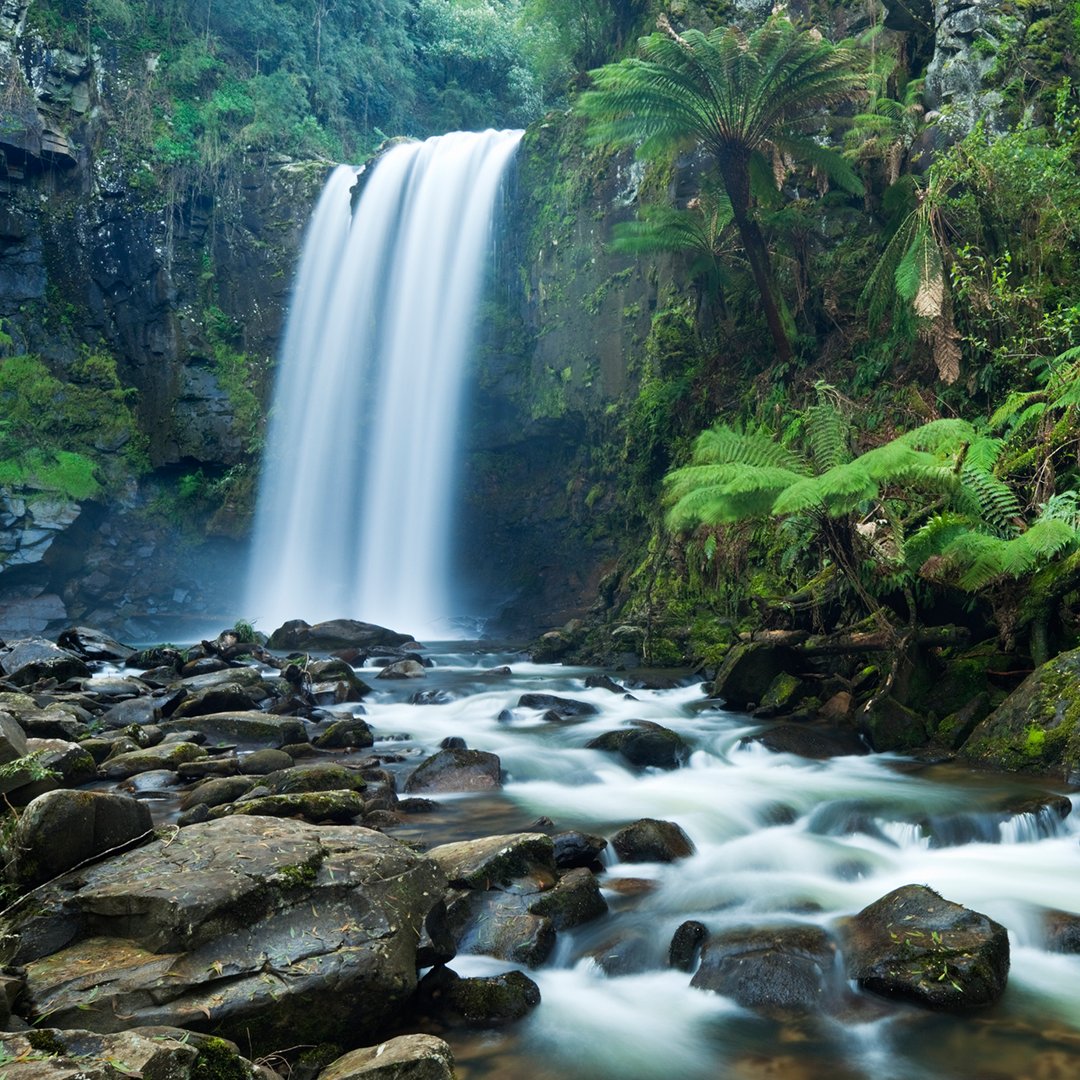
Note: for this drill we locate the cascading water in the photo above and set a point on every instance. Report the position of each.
(357, 491)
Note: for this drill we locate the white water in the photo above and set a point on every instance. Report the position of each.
(779, 839)
(358, 489)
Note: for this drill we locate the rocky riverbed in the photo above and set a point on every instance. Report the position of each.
(342, 854)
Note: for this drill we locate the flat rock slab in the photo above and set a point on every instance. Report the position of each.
(27, 661)
(408, 1057)
(246, 726)
(264, 930)
(916, 946)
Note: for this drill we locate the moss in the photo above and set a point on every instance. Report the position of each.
(46, 1041)
(218, 1060)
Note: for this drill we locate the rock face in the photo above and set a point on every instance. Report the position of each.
(271, 930)
(1037, 727)
(916, 946)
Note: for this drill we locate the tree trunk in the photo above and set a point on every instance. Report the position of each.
(735, 174)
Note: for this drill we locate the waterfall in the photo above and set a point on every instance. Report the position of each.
(358, 487)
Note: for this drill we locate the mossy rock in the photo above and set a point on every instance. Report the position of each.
(890, 726)
(1037, 727)
(340, 807)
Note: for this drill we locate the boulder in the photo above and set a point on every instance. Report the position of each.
(500, 862)
(809, 741)
(1037, 727)
(575, 900)
(645, 744)
(1062, 931)
(32, 660)
(748, 670)
(493, 1001)
(223, 698)
(12, 739)
(73, 765)
(266, 762)
(685, 947)
(335, 634)
(573, 848)
(61, 829)
(916, 946)
(272, 931)
(322, 776)
(334, 682)
(563, 708)
(779, 970)
(649, 840)
(318, 807)
(456, 770)
(94, 645)
(500, 924)
(403, 669)
(246, 727)
(164, 756)
(784, 694)
(217, 792)
(157, 1053)
(408, 1057)
(887, 725)
(353, 733)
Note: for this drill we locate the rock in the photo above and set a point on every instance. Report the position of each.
(563, 708)
(958, 726)
(784, 694)
(837, 707)
(217, 792)
(408, 1057)
(334, 673)
(32, 660)
(779, 970)
(94, 645)
(224, 698)
(164, 1053)
(245, 727)
(1062, 932)
(1035, 729)
(323, 776)
(353, 733)
(335, 634)
(265, 762)
(748, 670)
(501, 862)
(481, 1002)
(61, 829)
(649, 840)
(12, 739)
(165, 756)
(500, 924)
(140, 710)
(916, 946)
(604, 682)
(403, 669)
(74, 765)
(646, 745)
(456, 770)
(575, 900)
(573, 848)
(809, 741)
(281, 931)
(431, 697)
(686, 945)
(887, 725)
(337, 807)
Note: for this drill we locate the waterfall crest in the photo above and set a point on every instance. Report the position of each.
(358, 487)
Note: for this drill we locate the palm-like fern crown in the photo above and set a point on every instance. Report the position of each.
(735, 93)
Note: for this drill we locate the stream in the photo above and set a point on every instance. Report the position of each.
(780, 840)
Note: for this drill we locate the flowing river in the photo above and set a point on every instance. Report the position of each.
(780, 840)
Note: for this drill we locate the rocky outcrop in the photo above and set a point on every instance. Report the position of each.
(267, 930)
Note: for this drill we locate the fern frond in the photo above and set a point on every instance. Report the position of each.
(722, 444)
(718, 494)
(828, 433)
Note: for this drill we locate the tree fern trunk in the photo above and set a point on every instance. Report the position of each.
(736, 177)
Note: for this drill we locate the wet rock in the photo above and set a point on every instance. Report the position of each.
(1062, 932)
(453, 742)
(784, 694)
(61, 829)
(431, 697)
(334, 634)
(456, 770)
(779, 970)
(1037, 727)
(110, 691)
(33, 660)
(353, 733)
(229, 697)
(12, 739)
(649, 840)
(330, 676)
(417, 806)
(500, 924)
(573, 848)
(336, 807)
(563, 708)
(217, 792)
(226, 765)
(73, 765)
(92, 644)
(498, 862)
(957, 727)
(916, 946)
(408, 1057)
(809, 741)
(205, 665)
(686, 945)
(403, 669)
(323, 776)
(282, 932)
(604, 682)
(264, 762)
(645, 745)
(887, 725)
(245, 727)
(157, 656)
(165, 756)
(747, 670)
(575, 900)
(480, 1002)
